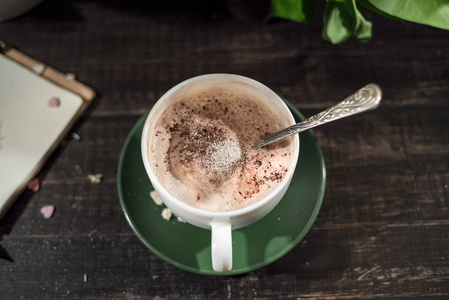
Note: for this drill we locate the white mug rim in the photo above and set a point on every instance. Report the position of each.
(217, 214)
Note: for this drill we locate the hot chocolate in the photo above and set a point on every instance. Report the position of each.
(201, 150)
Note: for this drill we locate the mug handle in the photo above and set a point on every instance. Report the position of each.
(221, 245)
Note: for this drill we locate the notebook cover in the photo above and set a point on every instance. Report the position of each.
(31, 124)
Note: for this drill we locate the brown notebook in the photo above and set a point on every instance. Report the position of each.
(38, 107)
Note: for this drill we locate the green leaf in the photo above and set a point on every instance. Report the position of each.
(341, 20)
(296, 10)
(364, 29)
(368, 5)
(429, 12)
(333, 29)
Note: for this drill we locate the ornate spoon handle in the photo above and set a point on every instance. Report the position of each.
(365, 99)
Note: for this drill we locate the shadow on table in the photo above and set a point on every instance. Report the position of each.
(310, 259)
(18, 207)
(13, 214)
(10, 218)
(244, 10)
(55, 10)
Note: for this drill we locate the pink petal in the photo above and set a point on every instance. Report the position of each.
(47, 211)
(54, 102)
(34, 185)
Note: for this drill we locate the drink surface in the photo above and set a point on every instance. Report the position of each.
(201, 150)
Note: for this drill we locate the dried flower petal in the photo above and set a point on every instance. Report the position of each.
(47, 211)
(34, 185)
(76, 136)
(154, 195)
(167, 214)
(54, 102)
(95, 178)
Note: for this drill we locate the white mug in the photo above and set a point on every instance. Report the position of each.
(220, 223)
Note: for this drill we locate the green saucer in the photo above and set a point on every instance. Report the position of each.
(259, 244)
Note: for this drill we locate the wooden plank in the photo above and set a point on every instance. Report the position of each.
(382, 232)
(147, 55)
(362, 263)
(387, 167)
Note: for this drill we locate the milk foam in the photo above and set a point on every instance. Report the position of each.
(201, 150)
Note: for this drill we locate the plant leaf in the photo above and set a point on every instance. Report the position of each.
(296, 10)
(364, 29)
(429, 12)
(341, 20)
(333, 29)
(368, 5)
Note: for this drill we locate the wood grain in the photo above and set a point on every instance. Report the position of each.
(143, 55)
(383, 230)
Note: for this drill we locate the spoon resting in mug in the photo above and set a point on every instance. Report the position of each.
(367, 98)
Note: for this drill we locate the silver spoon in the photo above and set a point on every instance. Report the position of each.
(367, 98)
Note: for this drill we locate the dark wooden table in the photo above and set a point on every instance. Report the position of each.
(383, 230)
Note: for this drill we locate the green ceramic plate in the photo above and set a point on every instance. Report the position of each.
(188, 247)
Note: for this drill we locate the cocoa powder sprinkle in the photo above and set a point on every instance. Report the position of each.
(207, 150)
